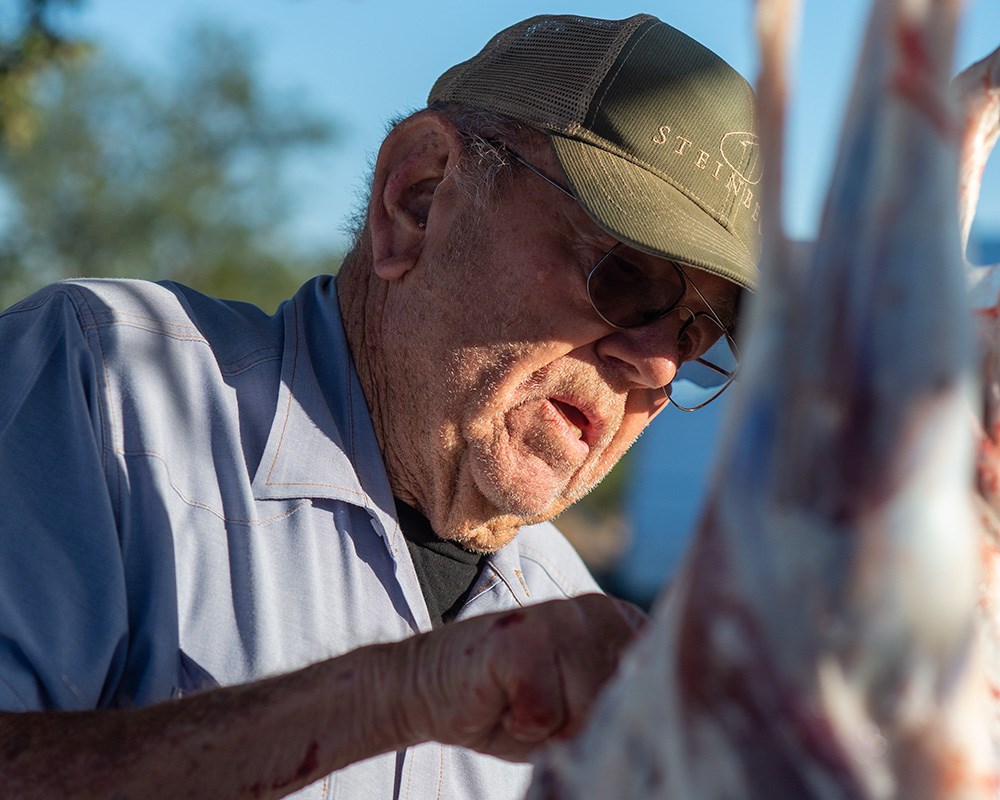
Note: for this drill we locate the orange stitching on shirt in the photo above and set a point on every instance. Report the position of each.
(291, 383)
(244, 362)
(186, 333)
(107, 412)
(204, 506)
(564, 582)
(483, 591)
(336, 486)
(116, 315)
(505, 583)
(161, 458)
(408, 755)
(440, 772)
(284, 428)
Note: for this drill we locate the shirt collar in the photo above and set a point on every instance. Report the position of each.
(322, 442)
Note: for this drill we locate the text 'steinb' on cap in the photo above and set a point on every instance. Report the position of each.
(655, 132)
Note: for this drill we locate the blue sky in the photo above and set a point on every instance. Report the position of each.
(363, 62)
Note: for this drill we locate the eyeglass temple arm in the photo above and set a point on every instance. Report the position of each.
(539, 173)
(708, 305)
(716, 368)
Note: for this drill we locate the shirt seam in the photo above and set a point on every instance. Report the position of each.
(566, 584)
(180, 332)
(105, 411)
(441, 751)
(119, 317)
(484, 590)
(409, 772)
(288, 404)
(15, 692)
(354, 493)
(205, 506)
(505, 582)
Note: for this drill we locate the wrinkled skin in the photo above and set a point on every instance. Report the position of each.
(499, 396)
(501, 684)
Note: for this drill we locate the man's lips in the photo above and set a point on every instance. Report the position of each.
(577, 418)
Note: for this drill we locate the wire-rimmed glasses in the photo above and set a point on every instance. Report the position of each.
(629, 289)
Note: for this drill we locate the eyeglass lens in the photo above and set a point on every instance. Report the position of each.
(704, 377)
(629, 290)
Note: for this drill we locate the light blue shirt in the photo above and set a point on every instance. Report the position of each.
(193, 496)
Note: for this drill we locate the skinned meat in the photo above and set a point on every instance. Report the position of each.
(824, 637)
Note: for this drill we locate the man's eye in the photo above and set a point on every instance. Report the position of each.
(622, 275)
(697, 337)
(687, 348)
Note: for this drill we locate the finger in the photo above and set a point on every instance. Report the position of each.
(634, 616)
(535, 716)
(610, 618)
(607, 626)
(530, 675)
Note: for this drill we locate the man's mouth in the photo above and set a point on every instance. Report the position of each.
(575, 418)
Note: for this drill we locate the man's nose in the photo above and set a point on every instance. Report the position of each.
(649, 355)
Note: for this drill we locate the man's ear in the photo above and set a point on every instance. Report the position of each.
(412, 162)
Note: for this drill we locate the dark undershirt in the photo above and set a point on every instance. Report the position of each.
(445, 570)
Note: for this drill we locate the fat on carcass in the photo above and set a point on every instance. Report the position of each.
(978, 92)
(820, 640)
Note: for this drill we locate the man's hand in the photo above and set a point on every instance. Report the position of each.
(504, 684)
(501, 684)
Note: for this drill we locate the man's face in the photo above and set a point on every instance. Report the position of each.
(525, 396)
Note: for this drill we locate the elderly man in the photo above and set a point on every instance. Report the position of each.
(223, 530)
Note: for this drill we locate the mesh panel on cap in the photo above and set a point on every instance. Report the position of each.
(543, 71)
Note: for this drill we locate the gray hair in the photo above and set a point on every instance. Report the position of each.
(487, 136)
(485, 167)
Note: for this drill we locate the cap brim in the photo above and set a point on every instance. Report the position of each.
(649, 213)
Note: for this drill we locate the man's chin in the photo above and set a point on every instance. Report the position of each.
(531, 495)
(494, 528)
(498, 493)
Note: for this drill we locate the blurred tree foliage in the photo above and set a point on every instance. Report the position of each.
(179, 177)
(29, 42)
(108, 172)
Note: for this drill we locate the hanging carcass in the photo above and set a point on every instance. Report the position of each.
(821, 639)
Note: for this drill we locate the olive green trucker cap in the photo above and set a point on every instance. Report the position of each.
(655, 132)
